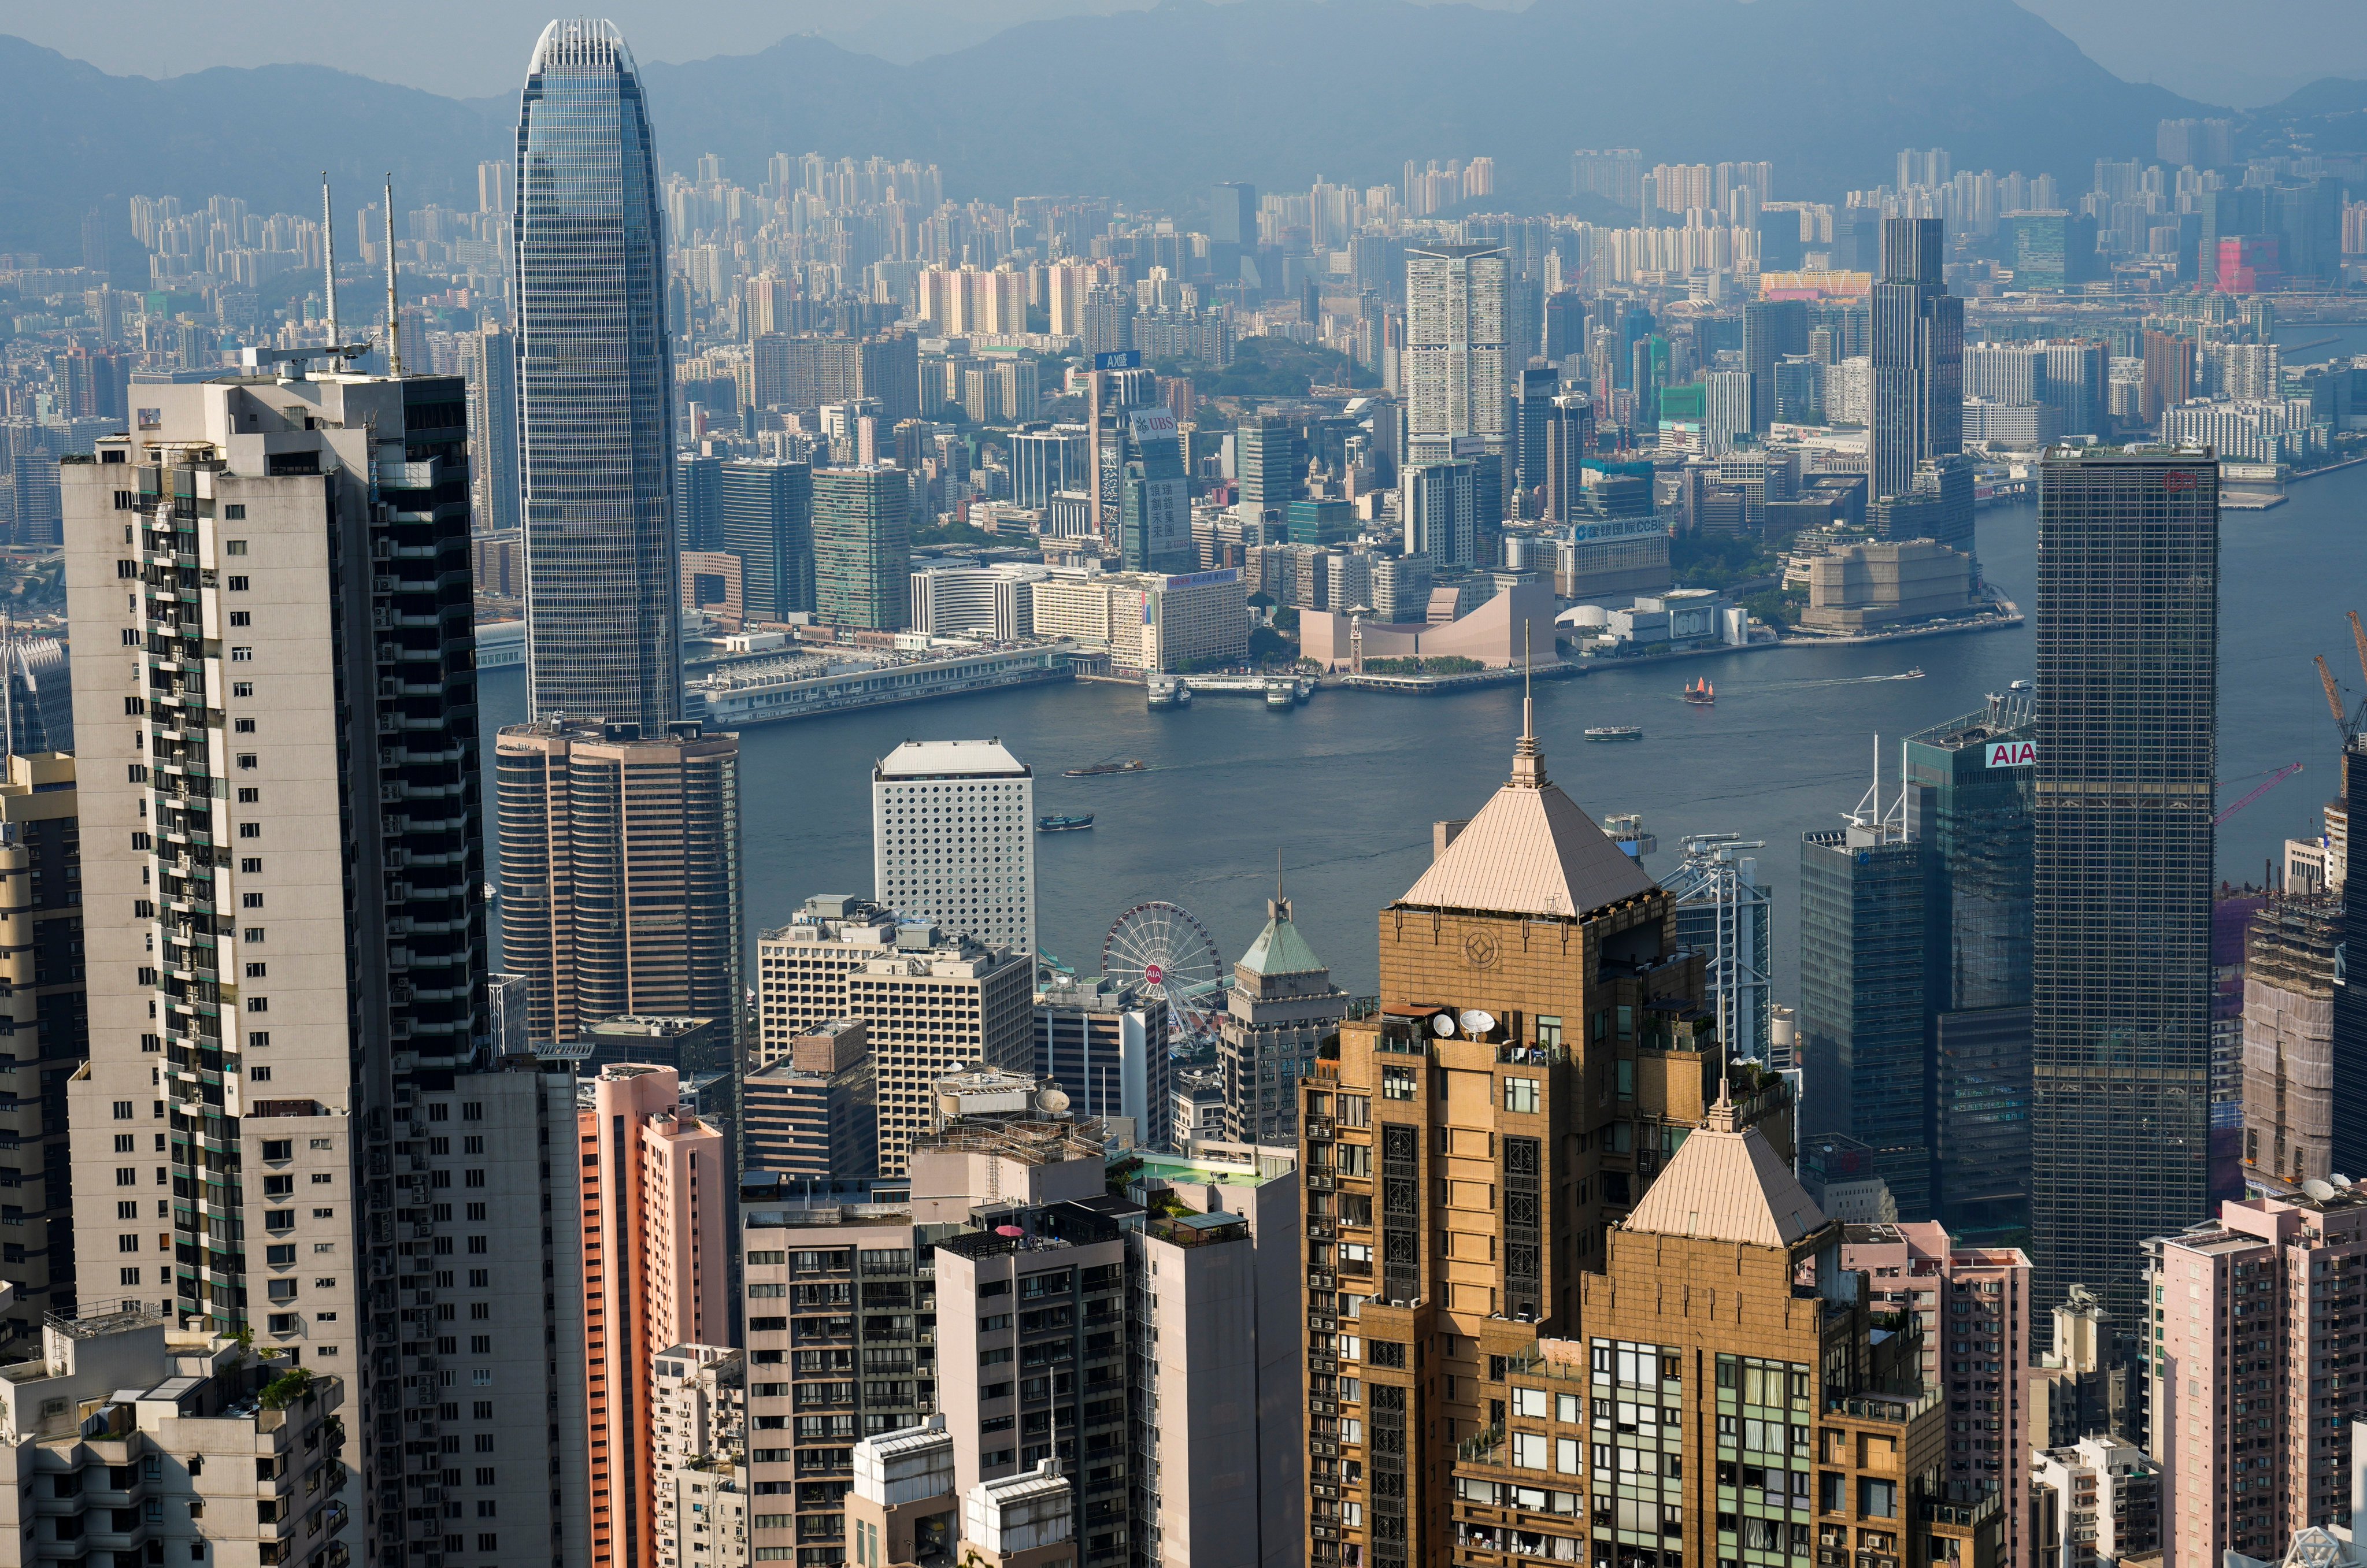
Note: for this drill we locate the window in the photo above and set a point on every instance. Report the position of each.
(480, 1344)
(1529, 1451)
(237, 585)
(1566, 1455)
(249, 795)
(127, 1276)
(242, 688)
(1397, 1083)
(1529, 1403)
(241, 655)
(250, 829)
(243, 726)
(477, 1243)
(251, 866)
(278, 1255)
(1877, 1499)
(1548, 1032)
(253, 933)
(246, 760)
(1520, 1094)
(125, 1142)
(279, 1148)
(257, 1037)
(258, 1004)
(250, 900)
(241, 618)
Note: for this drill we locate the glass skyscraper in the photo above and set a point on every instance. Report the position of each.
(595, 390)
(1919, 358)
(2128, 622)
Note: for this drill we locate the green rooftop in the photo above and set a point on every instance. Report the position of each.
(1279, 949)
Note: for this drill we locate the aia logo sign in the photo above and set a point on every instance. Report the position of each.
(2012, 753)
(2177, 482)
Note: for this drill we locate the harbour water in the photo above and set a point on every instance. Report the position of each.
(1347, 785)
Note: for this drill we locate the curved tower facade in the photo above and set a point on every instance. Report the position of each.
(595, 389)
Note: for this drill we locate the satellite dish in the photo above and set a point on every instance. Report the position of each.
(1052, 1100)
(1442, 1023)
(1474, 1021)
(2321, 1191)
(2341, 1182)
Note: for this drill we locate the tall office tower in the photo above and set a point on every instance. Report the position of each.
(596, 389)
(2350, 1021)
(2255, 1309)
(697, 502)
(698, 1464)
(766, 512)
(46, 1011)
(1439, 508)
(933, 1002)
(1281, 1006)
(1866, 1070)
(36, 696)
(1267, 466)
(2128, 634)
(1565, 327)
(656, 1262)
(619, 873)
(1456, 358)
(1532, 410)
(1569, 442)
(952, 840)
(319, 529)
(1726, 913)
(1968, 801)
(489, 361)
(1918, 348)
(1725, 410)
(1154, 496)
(1771, 329)
(2293, 956)
(1751, 1401)
(1232, 229)
(1972, 1306)
(1105, 1042)
(1539, 1050)
(862, 547)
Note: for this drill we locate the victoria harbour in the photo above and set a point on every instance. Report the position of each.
(1346, 786)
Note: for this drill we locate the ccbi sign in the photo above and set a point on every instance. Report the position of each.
(2012, 753)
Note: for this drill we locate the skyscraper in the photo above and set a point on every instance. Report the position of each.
(282, 1013)
(2128, 610)
(1919, 358)
(488, 360)
(766, 516)
(863, 547)
(1280, 1005)
(952, 837)
(1456, 354)
(620, 873)
(596, 389)
(1771, 329)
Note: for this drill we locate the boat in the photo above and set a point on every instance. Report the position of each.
(1095, 770)
(2019, 686)
(1168, 691)
(1617, 732)
(1914, 674)
(1062, 824)
(1281, 696)
(1700, 693)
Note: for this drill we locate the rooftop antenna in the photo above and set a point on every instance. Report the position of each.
(393, 311)
(1528, 766)
(329, 256)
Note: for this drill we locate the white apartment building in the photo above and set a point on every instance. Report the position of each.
(698, 1462)
(932, 1003)
(1456, 357)
(952, 840)
(1150, 621)
(292, 1123)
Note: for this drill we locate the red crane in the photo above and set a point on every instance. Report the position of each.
(2274, 779)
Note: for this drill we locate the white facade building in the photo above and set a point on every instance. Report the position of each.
(1456, 356)
(953, 838)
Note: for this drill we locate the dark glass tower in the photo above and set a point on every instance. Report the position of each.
(1919, 358)
(1968, 792)
(2128, 612)
(1865, 1069)
(2350, 1151)
(595, 385)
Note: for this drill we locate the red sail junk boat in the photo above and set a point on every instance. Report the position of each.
(1700, 693)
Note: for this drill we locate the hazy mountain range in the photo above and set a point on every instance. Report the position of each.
(1151, 106)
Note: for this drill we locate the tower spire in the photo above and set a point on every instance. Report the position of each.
(393, 307)
(329, 258)
(1528, 762)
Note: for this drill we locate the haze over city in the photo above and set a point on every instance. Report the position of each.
(1070, 783)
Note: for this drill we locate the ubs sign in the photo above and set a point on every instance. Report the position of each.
(2012, 753)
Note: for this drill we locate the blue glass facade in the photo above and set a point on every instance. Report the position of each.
(594, 378)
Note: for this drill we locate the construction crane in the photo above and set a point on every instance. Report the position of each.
(2274, 779)
(2342, 721)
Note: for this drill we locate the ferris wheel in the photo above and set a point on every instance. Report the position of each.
(1163, 951)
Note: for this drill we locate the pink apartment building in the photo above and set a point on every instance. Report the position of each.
(655, 1256)
(1973, 1303)
(2256, 1371)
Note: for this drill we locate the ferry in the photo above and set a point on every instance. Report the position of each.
(1914, 674)
(1062, 824)
(1700, 693)
(1281, 696)
(1167, 692)
(1095, 770)
(1617, 732)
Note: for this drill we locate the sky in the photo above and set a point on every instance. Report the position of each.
(2242, 53)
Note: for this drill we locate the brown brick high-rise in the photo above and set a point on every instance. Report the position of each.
(1539, 1050)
